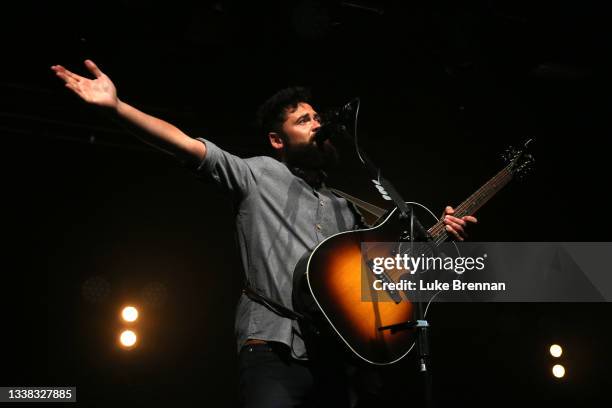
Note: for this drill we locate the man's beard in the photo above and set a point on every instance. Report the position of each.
(312, 156)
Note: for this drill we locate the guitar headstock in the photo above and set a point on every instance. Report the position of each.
(520, 160)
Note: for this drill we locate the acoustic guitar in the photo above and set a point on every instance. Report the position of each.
(328, 283)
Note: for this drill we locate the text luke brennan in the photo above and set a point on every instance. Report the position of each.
(436, 285)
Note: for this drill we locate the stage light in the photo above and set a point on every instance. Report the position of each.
(127, 339)
(129, 314)
(556, 350)
(558, 371)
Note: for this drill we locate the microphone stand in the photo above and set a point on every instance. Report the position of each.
(406, 215)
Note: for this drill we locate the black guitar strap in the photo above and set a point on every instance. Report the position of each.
(373, 213)
(271, 304)
(362, 205)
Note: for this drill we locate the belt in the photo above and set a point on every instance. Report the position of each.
(254, 341)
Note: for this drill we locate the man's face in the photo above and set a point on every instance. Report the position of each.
(300, 146)
(301, 124)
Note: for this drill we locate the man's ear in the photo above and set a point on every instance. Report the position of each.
(276, 141)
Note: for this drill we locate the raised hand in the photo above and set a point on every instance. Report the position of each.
(99, 91)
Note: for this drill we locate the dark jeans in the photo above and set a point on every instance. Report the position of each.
(270, 378)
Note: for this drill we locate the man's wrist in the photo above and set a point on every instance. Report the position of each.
(119, 107)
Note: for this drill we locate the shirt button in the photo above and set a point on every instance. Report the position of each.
(321, 202)
(318, 226)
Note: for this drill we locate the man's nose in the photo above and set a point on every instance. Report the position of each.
(316, 124)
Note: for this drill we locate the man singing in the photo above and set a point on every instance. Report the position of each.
(283, 210)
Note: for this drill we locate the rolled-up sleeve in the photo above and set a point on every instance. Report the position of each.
(231, 173)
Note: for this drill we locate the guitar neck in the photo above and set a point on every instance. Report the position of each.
(474, 202)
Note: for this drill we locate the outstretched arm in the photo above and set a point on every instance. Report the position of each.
(101, 92)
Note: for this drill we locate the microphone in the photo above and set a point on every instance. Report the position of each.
(342, 114)
(335, 121)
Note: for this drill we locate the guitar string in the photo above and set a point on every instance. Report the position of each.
(466, 208)
(439, 230)
(491, 185)
(482, 195)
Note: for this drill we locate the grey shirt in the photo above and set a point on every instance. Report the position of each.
(279, 218)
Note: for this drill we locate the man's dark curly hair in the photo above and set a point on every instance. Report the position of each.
(272, 113)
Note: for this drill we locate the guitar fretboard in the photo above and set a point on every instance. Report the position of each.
(474, 202)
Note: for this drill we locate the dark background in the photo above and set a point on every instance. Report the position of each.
(94, 219)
